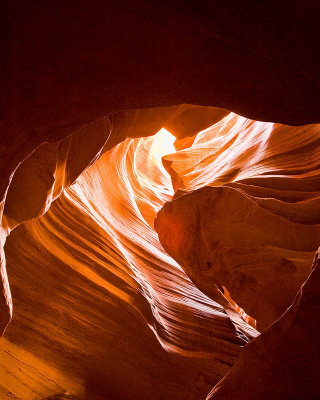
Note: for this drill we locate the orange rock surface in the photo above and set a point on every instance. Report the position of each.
(254, 231)
(256, 225)
(101, 306)
(112, 306)
(94, 270)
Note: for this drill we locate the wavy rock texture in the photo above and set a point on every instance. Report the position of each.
(254, 231)
(110, 314)
(283, 362)
(257, 225)
(52, 167)
(68, 66)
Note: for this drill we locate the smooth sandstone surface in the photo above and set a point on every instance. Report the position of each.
(109, 312)
(78, 79)
(257, 224)
(52, 167)
(254, 232)
(283, 362)
(67, 65)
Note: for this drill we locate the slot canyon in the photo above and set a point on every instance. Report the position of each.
(160, 200)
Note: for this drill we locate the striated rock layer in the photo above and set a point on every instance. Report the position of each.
(79, 78)
(253, 232)
(283, 362)
(52, 167)
(110, 314)
(257, 224)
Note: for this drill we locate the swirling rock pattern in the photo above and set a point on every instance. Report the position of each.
(52, 167)
(261, 263)
(91, 280)
(109, 312)
(257, 225)
(67, 66)
(283, 362)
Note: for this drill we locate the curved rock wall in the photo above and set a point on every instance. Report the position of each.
(109, 312)
(67, 65)
(283, 362)
(52, 167)
(257, 225)
(254, 231)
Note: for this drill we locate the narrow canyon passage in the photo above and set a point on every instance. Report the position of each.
(99, 279)
(103, 311)
(160, 200)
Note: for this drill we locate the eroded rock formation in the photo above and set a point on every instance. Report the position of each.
(100, 309)
(98, 260)
(52, 167)
(283, 362)
(114, 298)
(257, 225)
(254, 231)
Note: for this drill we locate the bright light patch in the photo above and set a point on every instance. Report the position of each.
(162, 144)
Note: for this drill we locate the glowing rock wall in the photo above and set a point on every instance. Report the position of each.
(115, 313)
(257, 225)
(111, 314)
(254, 230)
(73, 75)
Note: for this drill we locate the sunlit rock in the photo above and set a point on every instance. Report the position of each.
(101, 311)
(257, 224)
(115, 315)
